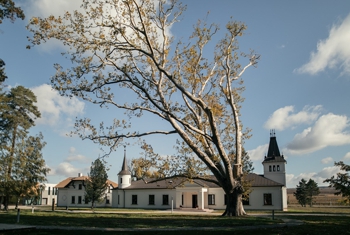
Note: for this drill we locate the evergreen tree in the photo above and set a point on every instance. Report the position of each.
(300, 193)
(17, 116)
(306, 191)
(312, 190)
(96, 185)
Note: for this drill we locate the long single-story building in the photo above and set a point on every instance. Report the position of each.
(268, 191)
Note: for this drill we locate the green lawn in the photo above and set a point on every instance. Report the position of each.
(129, 220)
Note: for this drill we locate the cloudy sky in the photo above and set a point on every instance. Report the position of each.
(300, 87)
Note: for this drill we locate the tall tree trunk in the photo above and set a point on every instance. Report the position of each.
(6, 202)
(234, 206)
(12, 151)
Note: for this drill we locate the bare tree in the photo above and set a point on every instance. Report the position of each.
(125, 45)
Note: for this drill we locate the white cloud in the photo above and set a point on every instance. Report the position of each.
(347, 156)
(333, 52)
(258, 153)
(45, 8)
(55, 108)
(285, 117)
(66, 169)
(327, 160)
(329, 130)
(75, 157)
(318, 177)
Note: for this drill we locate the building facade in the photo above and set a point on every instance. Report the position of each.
(71, 193)
(268, 191)
(48, 194)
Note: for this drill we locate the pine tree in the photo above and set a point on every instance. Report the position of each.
(312, 190)
(306, 191)
(17, 115)
(96, 185)
(300, 193)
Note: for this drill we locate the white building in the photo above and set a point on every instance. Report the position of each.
(268, 191)
(71, 193)
(48, 193)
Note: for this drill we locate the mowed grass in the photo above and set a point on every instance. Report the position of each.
(129, 220)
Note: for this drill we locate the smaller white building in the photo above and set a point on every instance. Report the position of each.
(71, 193)
(48, 194)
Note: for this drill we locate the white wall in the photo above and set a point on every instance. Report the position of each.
(47, 195)
(143, 198)
(64, 197)
(256, 199)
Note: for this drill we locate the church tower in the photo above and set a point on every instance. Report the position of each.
(274, 163)
(124, 176)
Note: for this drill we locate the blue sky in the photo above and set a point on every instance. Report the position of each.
(300, 87)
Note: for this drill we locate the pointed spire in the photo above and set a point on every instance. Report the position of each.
(273, 146)
(273, 153)
(125, 170)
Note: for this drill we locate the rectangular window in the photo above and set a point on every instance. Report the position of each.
(107, 200)
(80, 186)
(56, 191)
(48, 190)
(79, 199)
(73, 199)
(134, 199)
(151, 199)
(109, 189)
(270, 168)
(165, 199)
(245, 200)
(118, 199)
(121, 180)
(211, 199)
(182, 199)
(267, 199)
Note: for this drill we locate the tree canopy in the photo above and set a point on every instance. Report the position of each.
(22, 165)
(119, 46)
(306, 191)
(96, 185)
(342, 181)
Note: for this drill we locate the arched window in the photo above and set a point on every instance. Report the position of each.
(278, 167)
(274, 168)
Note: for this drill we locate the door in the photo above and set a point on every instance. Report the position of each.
(194, 201)
(44, 201)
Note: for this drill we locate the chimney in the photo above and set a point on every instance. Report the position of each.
(80, 174)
